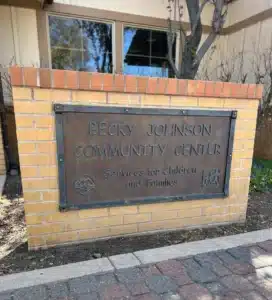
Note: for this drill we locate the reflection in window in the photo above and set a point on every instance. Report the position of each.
(145, 53)
(80, 45)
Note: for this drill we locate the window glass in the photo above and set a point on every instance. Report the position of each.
(145, 52)
(80, 45)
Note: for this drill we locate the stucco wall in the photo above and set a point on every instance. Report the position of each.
(252, 41)
(18, 33)
(150, 8)
(243, 9)
(19, 40)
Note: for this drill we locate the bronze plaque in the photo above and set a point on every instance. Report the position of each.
(120, 156)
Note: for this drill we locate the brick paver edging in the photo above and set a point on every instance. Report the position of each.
(240, 273)
(123, 261)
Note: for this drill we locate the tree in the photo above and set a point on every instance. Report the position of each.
(190, 50)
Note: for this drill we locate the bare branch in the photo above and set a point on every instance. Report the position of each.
(170, 55)
(189, 55)
(204, 48)
(198, 16)
(193, 9)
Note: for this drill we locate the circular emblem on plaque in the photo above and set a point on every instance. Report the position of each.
(84, 185)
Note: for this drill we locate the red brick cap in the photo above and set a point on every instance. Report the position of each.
(62, 79)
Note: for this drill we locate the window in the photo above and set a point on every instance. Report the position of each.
(80, 45)
(145, 52)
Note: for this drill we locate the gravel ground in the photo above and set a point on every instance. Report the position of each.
(14, 256)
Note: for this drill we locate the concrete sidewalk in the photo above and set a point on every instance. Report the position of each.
(243, 272)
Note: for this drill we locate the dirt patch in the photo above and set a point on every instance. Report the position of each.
(14, 256)
(12, 225)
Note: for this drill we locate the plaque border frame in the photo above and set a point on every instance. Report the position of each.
(63, 108)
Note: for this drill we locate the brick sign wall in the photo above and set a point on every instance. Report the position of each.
(35, 91)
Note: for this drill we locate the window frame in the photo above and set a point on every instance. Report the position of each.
(112, 23)
(116, 20)
(154, 28)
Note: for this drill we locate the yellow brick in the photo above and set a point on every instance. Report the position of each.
(36, 159)
(244, 134)
(55, 239)
(45, 229)
(33, 208)
(60, 96)
(242, 154)
(89, 97)
(237, 209)
(32, 196)
(139, 218)
(240, 173)
(210, 102)
(246, 163)
(48, 171)
(243, 144)
(29, 172)
(205, 220)
(107, 221)
(117, 98)
(75, 224)
(150, 226)
(42, 94)
(24, 121)
(34, 135)
(208, 211)
(26, 134)
(162, 225)
(177, 205)
(35, 242)
(247, 114)
(36, 184)
(190, 212)
(217, 219)
(47, 147)
(70, 216)
(241, 217)
(50, 195)
(238, 103)
(93, 213)
(239, 186)
(26, 148)
(160, 207)
(156, 100)
(124, 229)
(235, 164)
(245, 125)
(93, 234)
(170, 214)
(124, 210)
(234, 199)
(44, 121)
(33, 107)
(150, 207)
(20, 93)
(253, 103)
(45, 135)
(184, 101)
